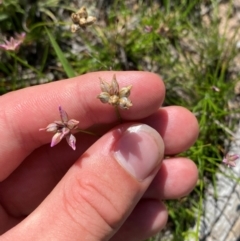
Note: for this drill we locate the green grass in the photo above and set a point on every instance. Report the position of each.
(185, 47)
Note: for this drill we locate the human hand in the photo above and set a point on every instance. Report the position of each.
(91, 194)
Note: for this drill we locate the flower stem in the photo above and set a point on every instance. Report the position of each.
(87, 132)
(118, 114)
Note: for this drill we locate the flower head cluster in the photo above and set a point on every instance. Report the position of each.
(14, 43)
(110, 94)
(63, 129)
(148, 28)
(81, 19)
(230, 160)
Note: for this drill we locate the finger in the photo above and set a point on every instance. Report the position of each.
(176, 178)
(146, 220)
(7, 221)
(100, 190)
(23, 112)
(177, 126)
(46, 166)
(169, 183)
(40, 172)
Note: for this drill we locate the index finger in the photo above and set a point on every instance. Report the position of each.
(23, 112)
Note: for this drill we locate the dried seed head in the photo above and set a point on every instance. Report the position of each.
(74, 28)
(82, 13)
(81, 19)
(110, 94)
(115, 86)
(105, 87)
(125, 91)
(83, 23)
(114, 100)
(74, 18)
(104, 97)
(125, 103)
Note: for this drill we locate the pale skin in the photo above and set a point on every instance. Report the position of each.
(60, 194)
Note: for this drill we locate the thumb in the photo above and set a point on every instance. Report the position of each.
(99, 191)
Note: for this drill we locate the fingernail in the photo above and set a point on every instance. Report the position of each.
(139, 150)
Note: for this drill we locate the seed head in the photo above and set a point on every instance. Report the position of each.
(110, 94)
(81, 19)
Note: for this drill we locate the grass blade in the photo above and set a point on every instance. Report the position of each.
(67, 67)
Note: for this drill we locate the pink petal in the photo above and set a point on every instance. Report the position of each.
(50, 128)
(56, 139)
(20, 37)
(232, 163)
(230, 160)
(72, 124)
(148, 29)
(53, 127)
(65, 131)
(71, 140)
(224, 160)
(3, 46)
(63, 114)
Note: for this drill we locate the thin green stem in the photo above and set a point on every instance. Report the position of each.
(14, 84)
(87, 132)
(25, 63)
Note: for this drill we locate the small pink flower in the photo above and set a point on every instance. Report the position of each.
(230, 160)
(20, 36)
(148, 29)
(14, 43)
(63, 129)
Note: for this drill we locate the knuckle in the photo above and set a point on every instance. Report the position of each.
(92, 201)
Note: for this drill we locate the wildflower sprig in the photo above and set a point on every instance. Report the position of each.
(112, 95)
(64, 129)
(230, 160)
(81, 19)
(14, 43)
